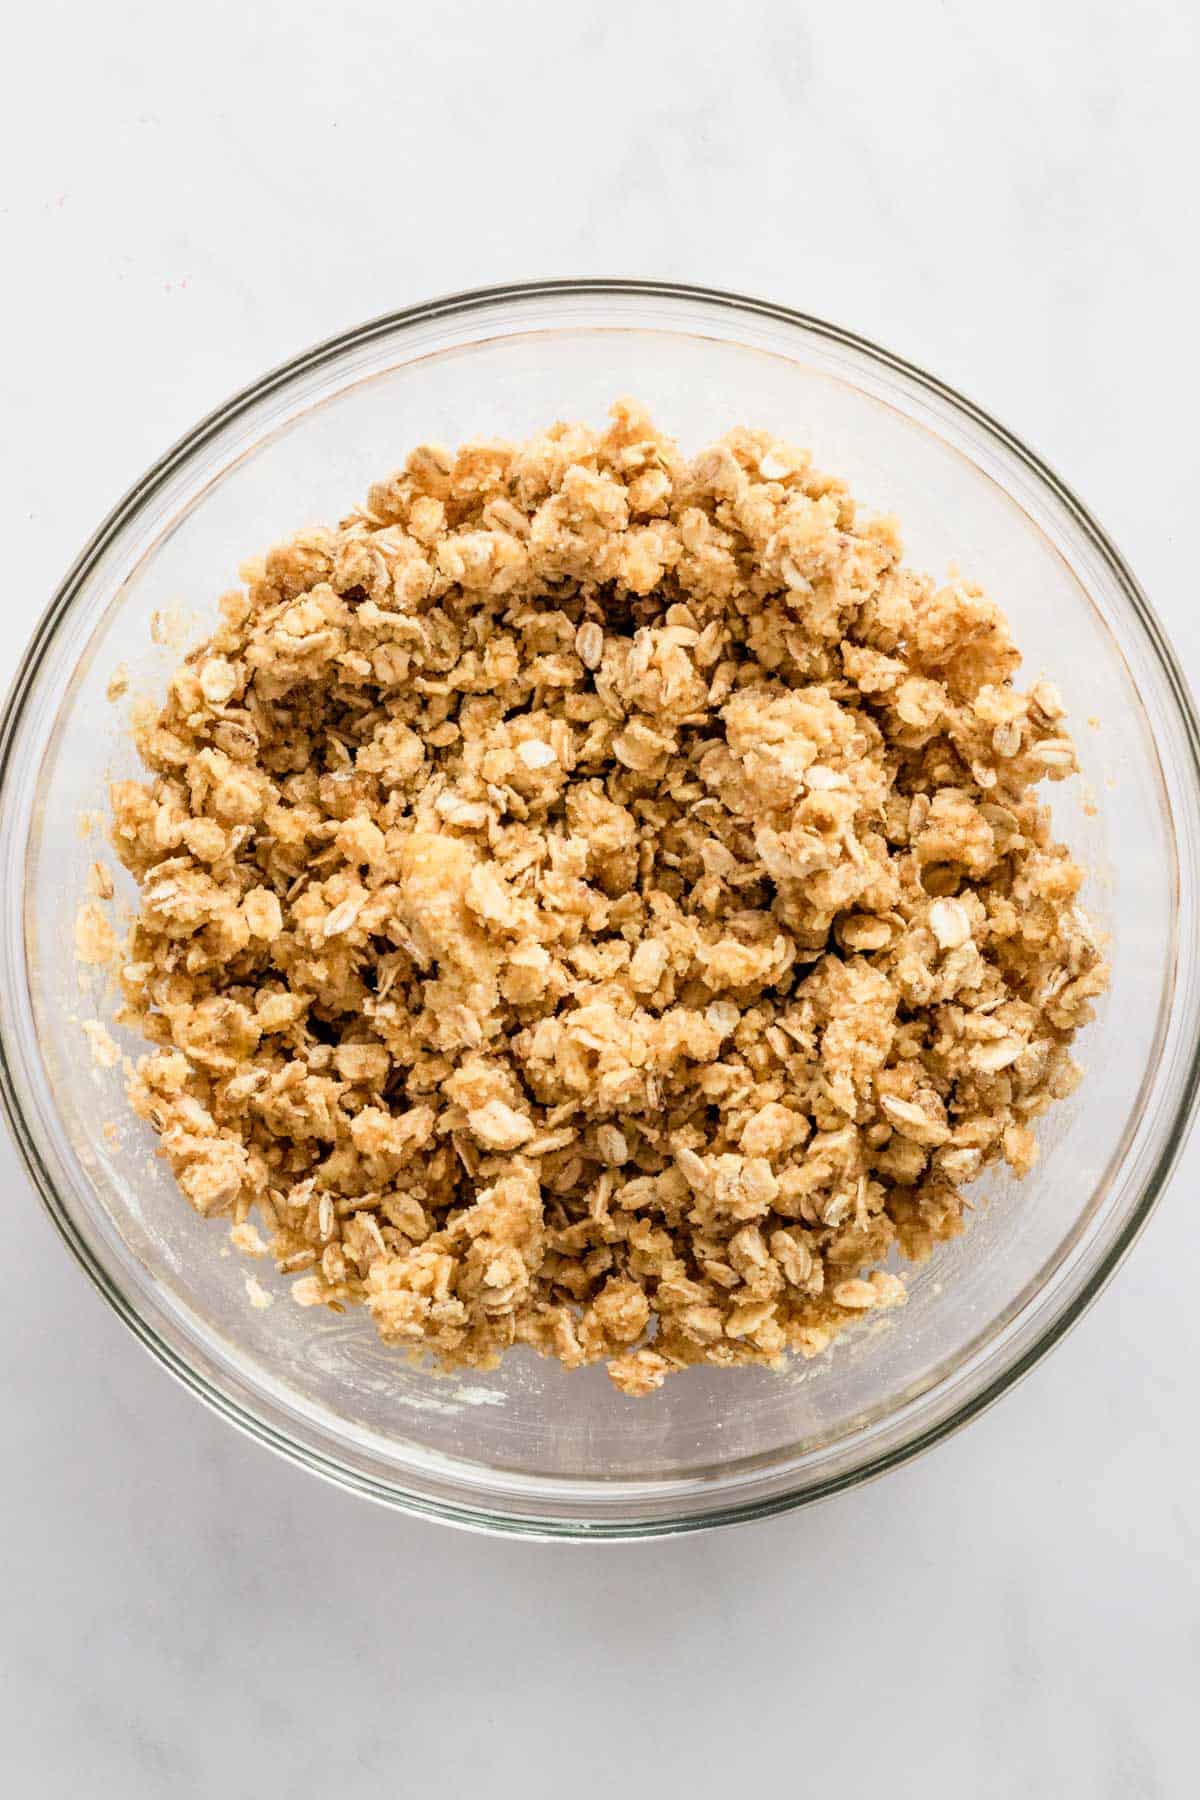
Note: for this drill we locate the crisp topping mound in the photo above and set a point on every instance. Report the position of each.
(599, 900)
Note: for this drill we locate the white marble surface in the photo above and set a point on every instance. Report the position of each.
(189, 198)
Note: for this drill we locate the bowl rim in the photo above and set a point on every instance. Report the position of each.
(478, 1516)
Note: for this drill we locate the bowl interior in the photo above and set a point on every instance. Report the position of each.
(530, 1438)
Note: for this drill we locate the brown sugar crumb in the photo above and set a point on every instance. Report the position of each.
(105, 1051)
(600, 901)
(100, 882)
(257, 1294)
(95, 940)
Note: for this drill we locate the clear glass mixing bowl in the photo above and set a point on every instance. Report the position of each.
(532, 1449)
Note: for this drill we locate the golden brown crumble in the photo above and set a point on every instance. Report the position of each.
(596, 900)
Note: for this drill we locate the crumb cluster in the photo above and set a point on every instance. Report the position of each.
(598, 900)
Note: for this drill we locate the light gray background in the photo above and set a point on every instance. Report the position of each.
(189, 197)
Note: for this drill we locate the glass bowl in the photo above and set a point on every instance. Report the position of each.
(530, 1448)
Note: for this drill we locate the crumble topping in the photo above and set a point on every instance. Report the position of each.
(601, 901)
